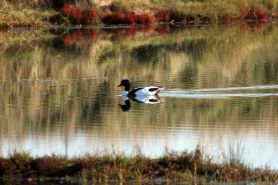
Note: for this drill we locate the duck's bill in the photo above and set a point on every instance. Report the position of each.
(119, 85)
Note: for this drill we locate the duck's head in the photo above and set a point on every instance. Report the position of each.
(126, 84)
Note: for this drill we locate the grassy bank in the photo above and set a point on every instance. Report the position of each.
(172, 167)
(25, 13)
(45, 13)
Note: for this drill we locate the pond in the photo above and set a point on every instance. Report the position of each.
(59, 91)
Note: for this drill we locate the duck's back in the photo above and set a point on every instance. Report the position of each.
(145, 91)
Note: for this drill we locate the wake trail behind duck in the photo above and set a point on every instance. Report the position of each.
(220, 92)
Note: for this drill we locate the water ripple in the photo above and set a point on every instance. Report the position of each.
(216, 92)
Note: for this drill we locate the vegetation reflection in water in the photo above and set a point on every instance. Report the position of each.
(58, 93)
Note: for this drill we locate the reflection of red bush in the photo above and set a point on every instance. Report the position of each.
(82, 36)
(131, 31)
(77, 36)
(67, 40)
(162, 29)
(92, 35)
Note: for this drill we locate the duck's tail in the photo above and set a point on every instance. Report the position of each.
(160, 88)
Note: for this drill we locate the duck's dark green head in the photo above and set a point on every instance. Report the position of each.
(125, 83)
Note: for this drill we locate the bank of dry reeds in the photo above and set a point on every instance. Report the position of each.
(64, 12)
(172, 167)
(25, 13)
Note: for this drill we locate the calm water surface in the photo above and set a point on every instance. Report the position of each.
(58, 91)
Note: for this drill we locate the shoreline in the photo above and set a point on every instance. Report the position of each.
(192, 167)
(124, 13)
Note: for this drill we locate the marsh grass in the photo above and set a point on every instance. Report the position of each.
(44, 13)
(171, 167)
(25, 13)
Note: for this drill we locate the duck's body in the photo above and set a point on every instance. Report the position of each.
(140, 91)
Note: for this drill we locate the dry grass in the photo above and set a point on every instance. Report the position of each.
(37, 13)
(172, 167)
(24, 14)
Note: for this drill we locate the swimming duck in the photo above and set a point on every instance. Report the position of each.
(140, 91)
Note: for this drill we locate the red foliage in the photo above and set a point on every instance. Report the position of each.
(78, 16)
(244, 27)
(92, 16)
(121, 17)
(92, 35)
(144, 19)
(261, 14)
(67, 10)
(74, 12)
(161, 30)
(131, 17)
(162, 16)
(145, 29)
(131, 31)
(92, 13)
(230, 18)
(244, 12)
(254, 14)
(67, 40)
(260, 25)
(77, 36)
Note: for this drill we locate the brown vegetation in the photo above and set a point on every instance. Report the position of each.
(48, 12)
(190, 167)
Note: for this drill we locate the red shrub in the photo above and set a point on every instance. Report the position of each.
(67, 10)
(92, 16)
(261, 14)
(77, 15)
(130, 17)
(162, 16)
(121, 17)
(254, 14)
(244, 11)
(92, 13)
(144, 19)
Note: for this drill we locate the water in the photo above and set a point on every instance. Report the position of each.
(59, 91)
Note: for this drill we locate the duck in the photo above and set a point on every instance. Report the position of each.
(139, 91)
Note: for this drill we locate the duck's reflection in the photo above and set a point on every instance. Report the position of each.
(139, 99)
